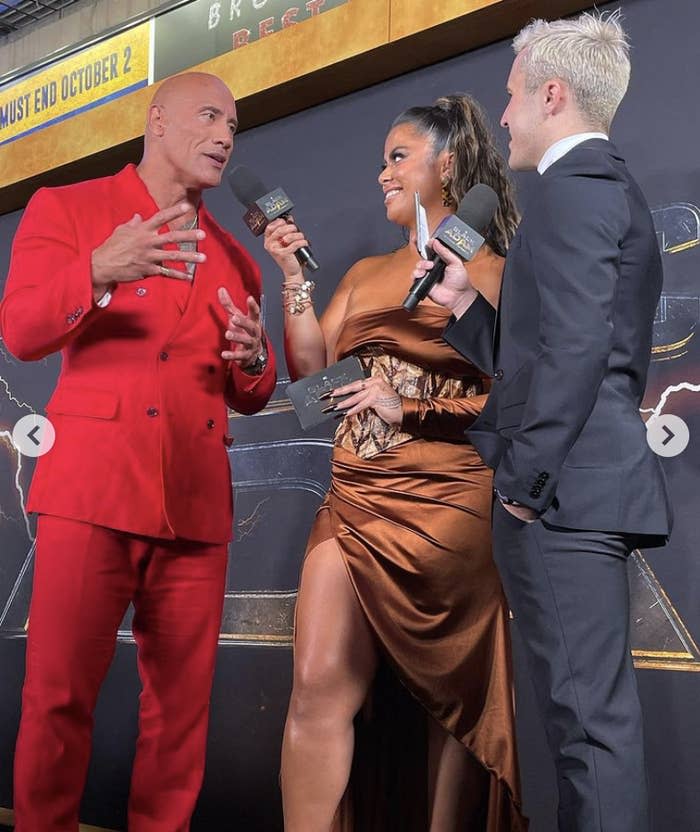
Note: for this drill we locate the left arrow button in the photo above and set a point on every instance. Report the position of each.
(33, 435)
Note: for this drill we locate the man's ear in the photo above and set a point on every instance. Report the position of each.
(156, 120)
(556, 96)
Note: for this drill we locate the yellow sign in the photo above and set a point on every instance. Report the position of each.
(95, 75)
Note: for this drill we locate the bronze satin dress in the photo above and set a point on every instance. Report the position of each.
(410, 510)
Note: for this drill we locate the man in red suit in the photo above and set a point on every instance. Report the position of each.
(154, 308)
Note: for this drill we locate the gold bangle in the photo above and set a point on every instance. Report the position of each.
(296, 297)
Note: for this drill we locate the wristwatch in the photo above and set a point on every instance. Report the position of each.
(257, 368)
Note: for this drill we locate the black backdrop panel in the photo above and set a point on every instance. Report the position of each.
(327, 158)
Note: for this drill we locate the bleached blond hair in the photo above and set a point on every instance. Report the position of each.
(590, 53)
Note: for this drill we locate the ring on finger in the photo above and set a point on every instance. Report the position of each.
(165, 272)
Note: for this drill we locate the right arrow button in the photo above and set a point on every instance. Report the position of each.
(667, 435)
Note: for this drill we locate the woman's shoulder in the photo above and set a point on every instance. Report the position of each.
(364, 271)
(369, 265)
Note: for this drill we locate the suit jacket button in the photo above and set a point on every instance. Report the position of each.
(498, 375)
(164, 356)
(228, 441)
(152, 411)
(141, 291)
(210, 423)
(70, 319)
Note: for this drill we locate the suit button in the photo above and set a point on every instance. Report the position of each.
(498, 375)
(210, 423)
(141, 291)
(164, 356)
(152, 411)
(70, 319)
(211, 369)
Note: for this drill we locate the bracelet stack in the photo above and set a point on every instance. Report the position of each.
(296, 297)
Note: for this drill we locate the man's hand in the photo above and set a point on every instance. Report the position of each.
(244, 331)
(372, 392)
(455, 290)
(523, 513)
(135, 250)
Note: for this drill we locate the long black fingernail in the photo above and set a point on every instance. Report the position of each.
(329, 408)
(328, 394)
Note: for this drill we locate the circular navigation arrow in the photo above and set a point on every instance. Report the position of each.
(667, 435)
(33, 435)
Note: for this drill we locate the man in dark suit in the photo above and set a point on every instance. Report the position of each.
(577, 487)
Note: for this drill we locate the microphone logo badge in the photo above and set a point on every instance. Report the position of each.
(462, 239)
(267, 208)
(255, 219)
(275, 204)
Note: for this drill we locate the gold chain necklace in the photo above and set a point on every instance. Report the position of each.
(189, 246)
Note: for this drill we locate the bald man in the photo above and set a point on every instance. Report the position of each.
(155, 310)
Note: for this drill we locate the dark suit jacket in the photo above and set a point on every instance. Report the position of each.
(569, 351)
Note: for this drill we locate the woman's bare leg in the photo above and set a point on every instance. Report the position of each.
(335, 660)
(450, 771)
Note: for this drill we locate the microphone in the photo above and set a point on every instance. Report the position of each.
(264, 206)
(463, 233)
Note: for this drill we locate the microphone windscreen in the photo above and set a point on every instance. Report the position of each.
(246, 186)
(478, 207)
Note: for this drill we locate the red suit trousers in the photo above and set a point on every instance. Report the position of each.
(84, 578)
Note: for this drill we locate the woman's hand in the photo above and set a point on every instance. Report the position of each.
(374, 393)
(282, 240)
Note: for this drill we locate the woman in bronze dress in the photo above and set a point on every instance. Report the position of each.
(401, 715)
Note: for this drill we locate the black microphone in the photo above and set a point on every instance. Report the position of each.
(463, 233)
(264, 206)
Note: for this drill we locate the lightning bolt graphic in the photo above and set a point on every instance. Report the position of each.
(7, 357)
(12, 397)
(674, 388)
(6, 438)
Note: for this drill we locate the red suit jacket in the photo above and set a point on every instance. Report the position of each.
(140, 406)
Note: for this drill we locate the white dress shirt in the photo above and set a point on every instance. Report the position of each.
(104, 300)
(555, 151)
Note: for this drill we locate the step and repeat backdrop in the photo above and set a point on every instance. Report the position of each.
(327, 159)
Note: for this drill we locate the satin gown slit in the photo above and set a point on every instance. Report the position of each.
(410, 510)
